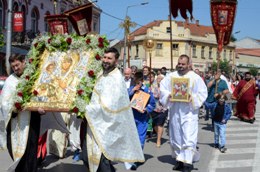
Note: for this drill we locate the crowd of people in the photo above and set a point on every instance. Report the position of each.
(114, 131)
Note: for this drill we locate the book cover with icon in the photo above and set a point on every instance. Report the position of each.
(140, 100)
(180, 90)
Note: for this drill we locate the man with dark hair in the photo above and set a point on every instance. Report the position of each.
(163, 71)
(134, 70)
(183, 124)
(146, 72)
(22, 141)
(109, 119)
(245, 93)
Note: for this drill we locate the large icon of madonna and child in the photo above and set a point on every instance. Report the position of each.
(61, 72)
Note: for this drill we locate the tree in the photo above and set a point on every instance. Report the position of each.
(223, 65)
(253, 70)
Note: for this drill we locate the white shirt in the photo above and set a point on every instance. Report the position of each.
(128, 82)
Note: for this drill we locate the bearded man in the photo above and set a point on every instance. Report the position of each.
(111, 134)
(183, 124)
(245, 93)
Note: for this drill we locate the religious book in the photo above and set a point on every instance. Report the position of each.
(139, 100)
(180, 89)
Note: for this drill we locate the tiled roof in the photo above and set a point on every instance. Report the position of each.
(248, 51)
(196, 29)
(143, 30)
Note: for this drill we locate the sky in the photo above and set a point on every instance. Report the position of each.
(247, 22)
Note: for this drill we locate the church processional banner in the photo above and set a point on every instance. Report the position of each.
(223, 16)
(60, 73)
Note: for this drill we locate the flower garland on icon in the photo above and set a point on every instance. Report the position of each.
(95, 43)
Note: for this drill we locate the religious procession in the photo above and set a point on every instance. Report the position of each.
(69, 97)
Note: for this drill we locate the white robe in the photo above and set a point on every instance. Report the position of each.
(111, 128)
(183, 127)
(74, 128)
(21, 124)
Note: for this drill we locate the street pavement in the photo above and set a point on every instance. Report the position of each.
(242, 155)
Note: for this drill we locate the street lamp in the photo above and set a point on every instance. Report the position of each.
(127, 24)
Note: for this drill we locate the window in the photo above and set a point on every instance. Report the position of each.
(34, 21)
(159, 46)
(1, 14)
(46, 26)
(137, 50)
(194, 51)
(203, 52)
(210, 53)
(175, 49)
(230, 55)
(225, 54)
(15, 6)
(158, 51)
(168, 30)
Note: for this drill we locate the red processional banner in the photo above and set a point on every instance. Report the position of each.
(223, 16)
(58, 24)
(81, 18)
(18, 22)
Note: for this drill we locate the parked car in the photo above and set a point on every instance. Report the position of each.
(2, 81)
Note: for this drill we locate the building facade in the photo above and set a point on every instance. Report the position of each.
(34, 12)
(247, 58)
(193, 39)
(248, 42)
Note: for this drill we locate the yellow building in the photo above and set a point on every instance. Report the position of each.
(193, 39)
(247, 58)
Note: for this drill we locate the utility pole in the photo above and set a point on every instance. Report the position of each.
(170, 20)
(9, 36)
(126, 25)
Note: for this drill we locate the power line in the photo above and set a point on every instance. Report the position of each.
(139, 24)
(112, 16)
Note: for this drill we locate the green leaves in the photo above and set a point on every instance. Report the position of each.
(96, 44)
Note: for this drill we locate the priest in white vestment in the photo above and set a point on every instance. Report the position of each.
(111, 130)
(183, 125)
(22, 133)
(23, 128)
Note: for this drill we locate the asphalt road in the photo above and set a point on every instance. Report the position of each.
(243, 152)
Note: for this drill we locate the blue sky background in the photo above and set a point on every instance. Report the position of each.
(247, 18)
